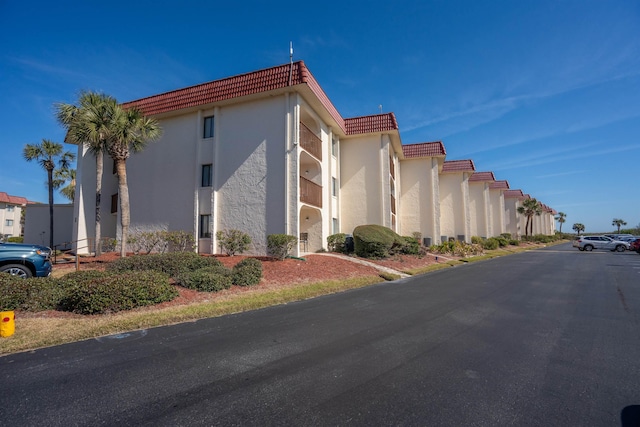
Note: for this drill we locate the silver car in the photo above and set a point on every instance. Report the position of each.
(589, 243)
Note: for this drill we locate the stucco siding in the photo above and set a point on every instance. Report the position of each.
(360, 182)
(250, 173)
(417, 198)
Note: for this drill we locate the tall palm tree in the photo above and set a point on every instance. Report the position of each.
(47, 154)
(132, 132)
(618, 222)
(60, 178)
(577, 227)
(561, 219)
(90, 123)
(529, 208)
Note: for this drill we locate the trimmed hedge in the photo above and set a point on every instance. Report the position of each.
(172, 263)
(33, 294)
(247, 272)
(337, 243)
(207, 279)
(376, 241)
(97, 292)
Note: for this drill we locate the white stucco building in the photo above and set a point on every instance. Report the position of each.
(11, 208)
(455, 214)
(266, 152)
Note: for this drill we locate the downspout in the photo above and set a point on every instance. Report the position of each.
(214, 192)
(287, 150)
(196, 202)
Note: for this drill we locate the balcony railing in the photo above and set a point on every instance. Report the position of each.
(310, 142)
(310, 192)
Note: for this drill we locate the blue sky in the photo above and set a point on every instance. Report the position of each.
(546, 94)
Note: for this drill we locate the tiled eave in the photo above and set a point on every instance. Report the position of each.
(279, 79)
(452, 166)
(424, 149)
(514, 194)
(482, 177)
(499, 185)
(12, 200)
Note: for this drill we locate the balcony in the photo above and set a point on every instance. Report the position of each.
(310, 142)
(310, 193)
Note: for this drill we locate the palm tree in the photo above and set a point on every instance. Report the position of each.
(577, 227)
(529, 208)
(49, 153)
(90, 123)
(60, 178)
(617, 223)
(132, 132)
(561, 219)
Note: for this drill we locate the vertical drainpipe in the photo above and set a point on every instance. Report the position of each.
(382, 202)
(287, 150)
(196, 201)
(214, 192)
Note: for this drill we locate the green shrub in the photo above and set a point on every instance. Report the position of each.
(337, 243)
(247, 272)
(15, 239)
(514, 242)
(280, 245)
(233, 241)
(457, 248)
(172, 263)
(411, 246)
(14, 291)
(491, 243)
(33, 294)
(476, 240)
(375, 241)
(207, 279)
(99, 292)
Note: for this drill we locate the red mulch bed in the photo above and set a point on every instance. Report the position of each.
(276, 275)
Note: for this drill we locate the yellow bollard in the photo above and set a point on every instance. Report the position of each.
(7, 323)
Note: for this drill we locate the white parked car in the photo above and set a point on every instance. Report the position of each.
(589, 243)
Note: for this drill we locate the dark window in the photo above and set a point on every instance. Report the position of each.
(206, 176)
(334, 187)
(208, 127)
(205, 226)
(114, 203)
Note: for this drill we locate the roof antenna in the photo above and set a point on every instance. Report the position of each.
(380, 108)
(290, 62)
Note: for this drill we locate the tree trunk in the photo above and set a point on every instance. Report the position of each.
(50, 178)
(99, 169)
(123, 195)
(526, 226)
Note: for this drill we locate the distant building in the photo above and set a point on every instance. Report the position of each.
(11, 216)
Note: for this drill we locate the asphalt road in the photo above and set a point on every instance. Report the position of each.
(543, 338)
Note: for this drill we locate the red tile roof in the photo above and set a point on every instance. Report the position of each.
(368, 124)
(424, 149)
(514, 194)
(14, 200)
(482, 177)
(251, 83)
(499, 185)
(458, 166)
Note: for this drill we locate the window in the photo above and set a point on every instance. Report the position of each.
(8, 223)
(206, 176)
(205, 226)
(335, 225)
(114, 203)
(208, 127)
(334, 147)
(10, 208)
(334, 187)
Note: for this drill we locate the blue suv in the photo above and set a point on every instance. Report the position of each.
(25, 260)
